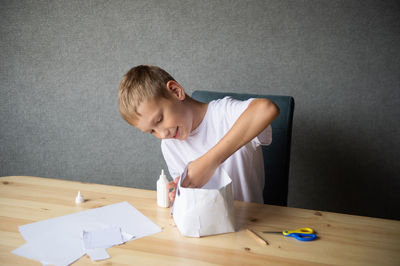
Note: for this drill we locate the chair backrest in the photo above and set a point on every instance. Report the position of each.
(276, 155)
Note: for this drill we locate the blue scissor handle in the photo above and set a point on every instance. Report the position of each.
(303, 237)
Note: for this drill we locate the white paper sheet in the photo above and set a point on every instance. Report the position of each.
(98, 254)
(51, 250)
(103, 238)
(59, 240)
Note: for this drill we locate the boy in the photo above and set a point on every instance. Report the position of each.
(223, 133)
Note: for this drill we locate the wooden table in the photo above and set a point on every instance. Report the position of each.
(343, 239)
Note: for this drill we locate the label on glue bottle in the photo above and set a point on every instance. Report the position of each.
(162, 191)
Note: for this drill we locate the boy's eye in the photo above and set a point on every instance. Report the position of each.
(159, 119)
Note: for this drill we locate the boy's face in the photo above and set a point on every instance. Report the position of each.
(166, 118)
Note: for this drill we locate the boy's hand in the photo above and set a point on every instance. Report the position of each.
(172, 193)
(199, 172)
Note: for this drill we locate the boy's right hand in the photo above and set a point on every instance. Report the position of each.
(172, 193)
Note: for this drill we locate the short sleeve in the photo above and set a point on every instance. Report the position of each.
(265, 137)
(234, 108)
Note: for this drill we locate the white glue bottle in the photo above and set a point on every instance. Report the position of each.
(162, 191)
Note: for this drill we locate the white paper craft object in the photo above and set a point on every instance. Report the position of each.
(205, 211)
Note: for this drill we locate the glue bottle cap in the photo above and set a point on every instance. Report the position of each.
(163, 177)
(79, 198)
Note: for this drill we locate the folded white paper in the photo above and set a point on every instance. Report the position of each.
(205, 211)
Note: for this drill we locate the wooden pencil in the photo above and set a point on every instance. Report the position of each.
(257, 237)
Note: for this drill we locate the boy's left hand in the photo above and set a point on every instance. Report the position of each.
(171, 186)
(199, 172)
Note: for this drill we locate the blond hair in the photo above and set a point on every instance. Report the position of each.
(141, 83)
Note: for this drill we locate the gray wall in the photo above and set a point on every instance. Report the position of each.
(61, 63)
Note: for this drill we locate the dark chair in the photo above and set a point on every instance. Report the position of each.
(276, 155)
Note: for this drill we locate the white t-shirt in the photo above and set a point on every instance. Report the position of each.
(245, 167)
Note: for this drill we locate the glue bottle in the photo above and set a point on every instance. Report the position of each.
(162, 191)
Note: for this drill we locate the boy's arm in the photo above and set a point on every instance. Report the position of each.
(259, 114)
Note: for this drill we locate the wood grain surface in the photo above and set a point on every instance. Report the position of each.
(342, 239)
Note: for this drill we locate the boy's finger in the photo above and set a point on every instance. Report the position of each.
(171, 196)
(171, 184)
(187, 183)
(183, 184)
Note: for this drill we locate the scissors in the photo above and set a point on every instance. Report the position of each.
(302, 234)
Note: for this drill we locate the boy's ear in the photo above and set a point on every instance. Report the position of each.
(176, 90)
